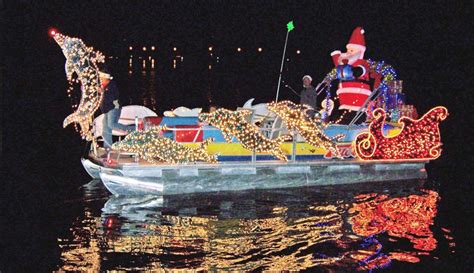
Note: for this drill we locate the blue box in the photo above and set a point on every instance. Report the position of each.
(173, 121)
(211, 131)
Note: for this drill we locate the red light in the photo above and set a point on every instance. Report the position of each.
(110, 222)
(52, 32)
(418, 139)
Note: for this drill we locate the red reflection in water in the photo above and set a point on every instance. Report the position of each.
(405, 217)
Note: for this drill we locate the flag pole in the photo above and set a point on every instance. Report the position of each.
(290, 27)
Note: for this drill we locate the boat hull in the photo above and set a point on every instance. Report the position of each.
(91, 168)
(184, 179)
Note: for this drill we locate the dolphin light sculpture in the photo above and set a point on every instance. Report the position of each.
(81, 64)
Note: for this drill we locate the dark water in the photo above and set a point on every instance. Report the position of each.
(376, 227)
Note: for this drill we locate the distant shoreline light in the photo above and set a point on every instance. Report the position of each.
(210, 48)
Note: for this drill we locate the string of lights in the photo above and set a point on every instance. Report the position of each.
(73, 99)
(418, 139)
(233, 123)
(383, 74)
(152, 146)
(295, 118)
(81, 66)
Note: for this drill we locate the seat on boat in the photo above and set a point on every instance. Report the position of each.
(277, 129)
(127, 117)
(249, 118)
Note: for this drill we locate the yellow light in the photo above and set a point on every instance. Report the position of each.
(174, 49)
(295, 118)
(210, 48)
(418, 139)
(152, 146)
(81, 64)
(153, 48)
(234, 124)
(144, 48)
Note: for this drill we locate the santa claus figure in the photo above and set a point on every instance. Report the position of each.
(353, 74)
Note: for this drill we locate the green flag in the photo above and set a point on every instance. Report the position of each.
(290, 26)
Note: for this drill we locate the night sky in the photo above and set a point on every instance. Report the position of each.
(430, 46)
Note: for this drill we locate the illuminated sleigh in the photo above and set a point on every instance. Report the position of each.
(417, 139)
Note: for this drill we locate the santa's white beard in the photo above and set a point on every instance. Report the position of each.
(351, 58)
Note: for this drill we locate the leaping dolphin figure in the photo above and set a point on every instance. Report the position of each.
(294, 116)
(152, 146)
(82, 61)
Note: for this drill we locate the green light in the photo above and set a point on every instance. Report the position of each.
(290, 26)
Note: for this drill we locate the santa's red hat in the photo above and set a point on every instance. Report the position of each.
(357, 38)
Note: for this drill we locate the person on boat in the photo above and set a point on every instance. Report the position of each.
(212, 108)
(308, 95)
(110, 106)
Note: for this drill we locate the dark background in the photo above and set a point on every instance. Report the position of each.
(429, 44)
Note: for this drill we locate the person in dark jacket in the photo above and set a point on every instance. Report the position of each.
(110, 106)
(308, 95)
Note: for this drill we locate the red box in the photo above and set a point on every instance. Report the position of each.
(194, 133)
(150, 121)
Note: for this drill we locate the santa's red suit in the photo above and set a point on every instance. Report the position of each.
(353, 89)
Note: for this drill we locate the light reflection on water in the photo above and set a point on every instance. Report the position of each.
(343, 228)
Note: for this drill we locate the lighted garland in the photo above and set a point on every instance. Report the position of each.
(233, 123)
(331, 76)
(295, 118)
(81, 64)
(328, 79)
(152, 146)
(383, 74)
(418, 139)
(73, 99)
